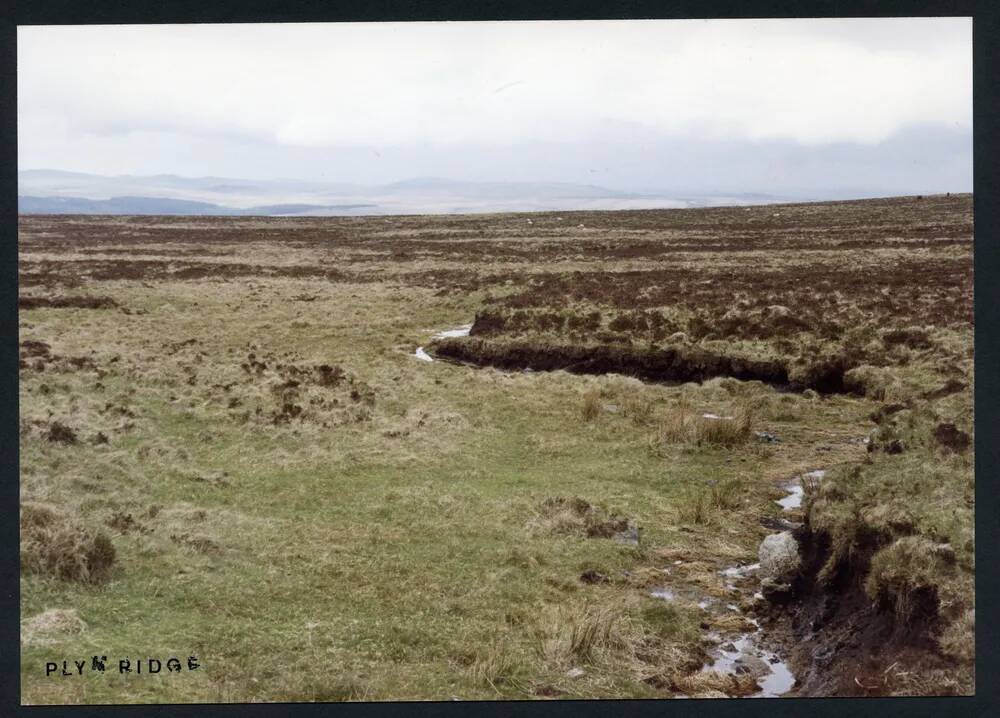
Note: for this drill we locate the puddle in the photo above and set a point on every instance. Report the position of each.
(462, 331)
(663, 593)
(739, 655)
(714, 416)
(744, 654)
(779, 682)
(795, 491)
(794, 498)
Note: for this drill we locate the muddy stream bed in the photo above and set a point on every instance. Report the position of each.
(731, 653)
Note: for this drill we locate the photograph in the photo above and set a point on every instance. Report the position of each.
(495, 360)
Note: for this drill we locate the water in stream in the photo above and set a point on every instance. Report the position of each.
(742, 653)
(745, 652)
(462, 331)
(795, 491)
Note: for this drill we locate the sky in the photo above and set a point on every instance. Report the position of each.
(780, 106)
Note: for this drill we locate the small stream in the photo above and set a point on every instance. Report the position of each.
(747, 652)
(462, 331)
(795, 490)
(734, 654)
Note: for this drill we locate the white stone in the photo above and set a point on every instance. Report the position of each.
(779, 555)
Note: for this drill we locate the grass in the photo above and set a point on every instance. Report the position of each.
(419, 531)
(359, 528)
(590, 407)
(53, 544)
(682, 424)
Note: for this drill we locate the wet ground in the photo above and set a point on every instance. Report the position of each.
(742, 653)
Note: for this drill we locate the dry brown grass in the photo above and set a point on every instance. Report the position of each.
(727, 431)
(590, 406)
(568, 635)
(495, 665)
(713, 684)
(56, 544)
(958, 639)
(562, 516)
(677, 425)
(683, 425)
(693, 509)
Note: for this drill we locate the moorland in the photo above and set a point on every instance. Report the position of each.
(702, 452)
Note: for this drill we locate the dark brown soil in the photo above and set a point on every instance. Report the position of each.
(952, 438)
(842, 644)
(670, 365)
(125, 523)
(60, 433)
(31, 349)
(36, 302)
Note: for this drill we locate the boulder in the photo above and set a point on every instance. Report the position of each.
(753, 665)
(779, 556)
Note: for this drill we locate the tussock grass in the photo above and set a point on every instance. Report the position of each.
(694, 508)
(495, 666)
(590, 405)
(726, 432)
(578, 634)
(681, 424)
(56, 544)
(706, 505)
(908, 575)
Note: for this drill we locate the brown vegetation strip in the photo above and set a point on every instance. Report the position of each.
(657, 365)
(29, 302)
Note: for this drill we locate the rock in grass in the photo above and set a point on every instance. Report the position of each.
(779, 556)
(50, 627)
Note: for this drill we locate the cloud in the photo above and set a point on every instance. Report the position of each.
(497, 84)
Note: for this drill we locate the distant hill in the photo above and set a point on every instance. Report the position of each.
(115, 205)
(59, 192)
(160, 205)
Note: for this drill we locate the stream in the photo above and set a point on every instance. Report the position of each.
(733, 654)
(747, 652)
(462, 331)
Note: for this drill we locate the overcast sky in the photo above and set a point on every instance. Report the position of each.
(737, 105)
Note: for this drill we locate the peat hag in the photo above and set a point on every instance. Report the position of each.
(662, 365)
